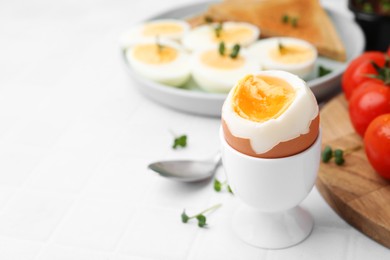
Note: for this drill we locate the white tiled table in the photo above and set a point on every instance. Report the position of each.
(75, 139)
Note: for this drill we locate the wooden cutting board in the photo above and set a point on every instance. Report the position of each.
(358, 195)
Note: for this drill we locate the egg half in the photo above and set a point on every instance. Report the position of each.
(284, 53)
(214, 72)
(172, 29)
(209, 36)
(164, 62)
(270, 114)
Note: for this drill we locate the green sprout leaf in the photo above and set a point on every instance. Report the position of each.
(217, 185)
(160, 47)
(221, 48)
(180, 141)
(235, 51)
(285, 18)
(218, 30)
(184, 217)
(208, 19)
(327, 154)
(322, 71)
(339, 160)
(201, 220)
(337, 154)
(339, 157)
(294, 22)
(281, 47)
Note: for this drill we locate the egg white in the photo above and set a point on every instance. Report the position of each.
(262, 48)
(202, 37)
(294, 121)
(135, 34)
(174, 73)
(214, 79)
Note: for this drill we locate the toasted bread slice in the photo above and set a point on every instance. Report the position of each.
(312, 22)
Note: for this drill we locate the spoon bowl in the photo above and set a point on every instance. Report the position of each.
(187, 170)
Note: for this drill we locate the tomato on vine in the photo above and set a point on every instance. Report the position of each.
(377, 144)
(371, 98)
(356, 72)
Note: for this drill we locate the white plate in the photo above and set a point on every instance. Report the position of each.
(191, 99)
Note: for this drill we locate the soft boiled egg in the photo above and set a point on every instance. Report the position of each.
(210, 35)
(164, 61)
(270, 114)
(216, 72)
(172, 29)
(284, 53)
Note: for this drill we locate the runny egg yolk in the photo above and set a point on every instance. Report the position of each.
(214, 59)
(233, 35)
(261, 98)
(161, 29)
(154, 54)
(290, 54)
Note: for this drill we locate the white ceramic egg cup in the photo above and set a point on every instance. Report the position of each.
(271, 190)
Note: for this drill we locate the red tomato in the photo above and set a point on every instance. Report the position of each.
(377, 144)
(357, 70)
(371, 99)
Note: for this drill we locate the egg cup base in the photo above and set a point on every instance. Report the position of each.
(272, 230)
(270, 191)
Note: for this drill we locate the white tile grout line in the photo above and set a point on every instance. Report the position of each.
(198, 233)
(137, 207)
(76, 197)
(79, 196)
(76, 200)
(22, 187)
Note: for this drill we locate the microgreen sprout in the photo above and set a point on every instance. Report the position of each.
(179, 140)
(288, 19)
(235, 51)
(200, 217)
(285, 18)
(281, 47)
(322, 71)
(159, 45)
(218, 186)
(221, 48)
(327, 154)
(339, 157)
(218, 30)
(208, 19)
(294, 22)
(338, 154)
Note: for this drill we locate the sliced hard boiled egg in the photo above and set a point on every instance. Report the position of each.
(164, 61)
(210, 35)
(270, 114)
(216, 72)
(284, 53)
(172, 29)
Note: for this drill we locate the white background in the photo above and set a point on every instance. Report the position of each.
(75, 139)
